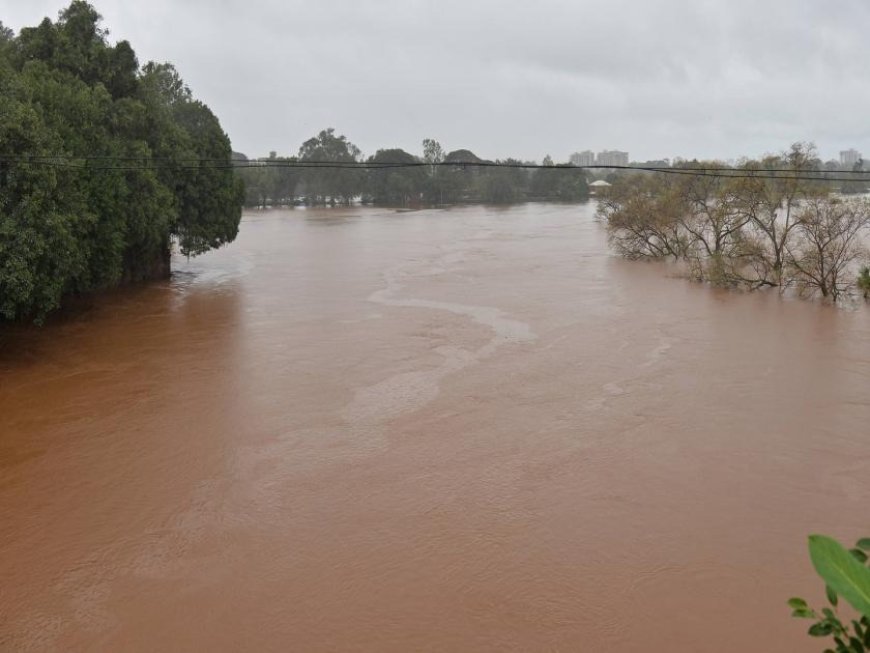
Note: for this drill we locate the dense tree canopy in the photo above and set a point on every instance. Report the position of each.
(330, 183)
(395, 186)
(128, 165)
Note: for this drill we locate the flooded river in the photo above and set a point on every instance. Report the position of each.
(448, 430)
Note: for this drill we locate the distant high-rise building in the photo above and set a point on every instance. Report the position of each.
(848, 158)
(585, 158)
(612, 158)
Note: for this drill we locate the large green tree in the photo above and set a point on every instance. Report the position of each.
(104, 165)
(331, 184)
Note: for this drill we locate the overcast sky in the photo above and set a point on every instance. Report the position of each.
(659, 78)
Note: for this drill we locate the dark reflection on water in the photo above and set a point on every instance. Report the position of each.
(465, 429)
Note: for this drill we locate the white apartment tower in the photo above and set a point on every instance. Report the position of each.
(848, 158)
(612, 158)
(585, 158)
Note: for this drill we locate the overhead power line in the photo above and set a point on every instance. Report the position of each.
(134, 163)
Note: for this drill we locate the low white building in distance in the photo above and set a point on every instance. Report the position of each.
(597, 186)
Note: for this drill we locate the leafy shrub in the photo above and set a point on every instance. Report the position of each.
(846, 575)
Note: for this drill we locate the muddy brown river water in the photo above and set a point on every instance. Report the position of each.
(446, 430)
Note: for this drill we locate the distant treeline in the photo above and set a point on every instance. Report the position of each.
(431, 184)
(96, 222)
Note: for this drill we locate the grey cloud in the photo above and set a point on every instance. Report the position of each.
(658, 78)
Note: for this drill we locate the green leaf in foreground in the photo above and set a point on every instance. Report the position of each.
(841, 571)
(864, 543)
(822, 629)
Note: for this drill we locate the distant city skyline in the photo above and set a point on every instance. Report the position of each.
(603, 158)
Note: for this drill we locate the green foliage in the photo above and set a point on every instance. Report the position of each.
(6, 34)
(66, 92)
(845, 575)
(843, 571)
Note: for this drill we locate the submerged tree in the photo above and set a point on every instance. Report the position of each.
(750, 229)
(863, 281)
(856, 183)
(433, 154)
(502, 185)
(771, 204)
(329, 183)
(827, 245)
(395, 185)
(644, 216)
(560, 182)
(272, 180)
